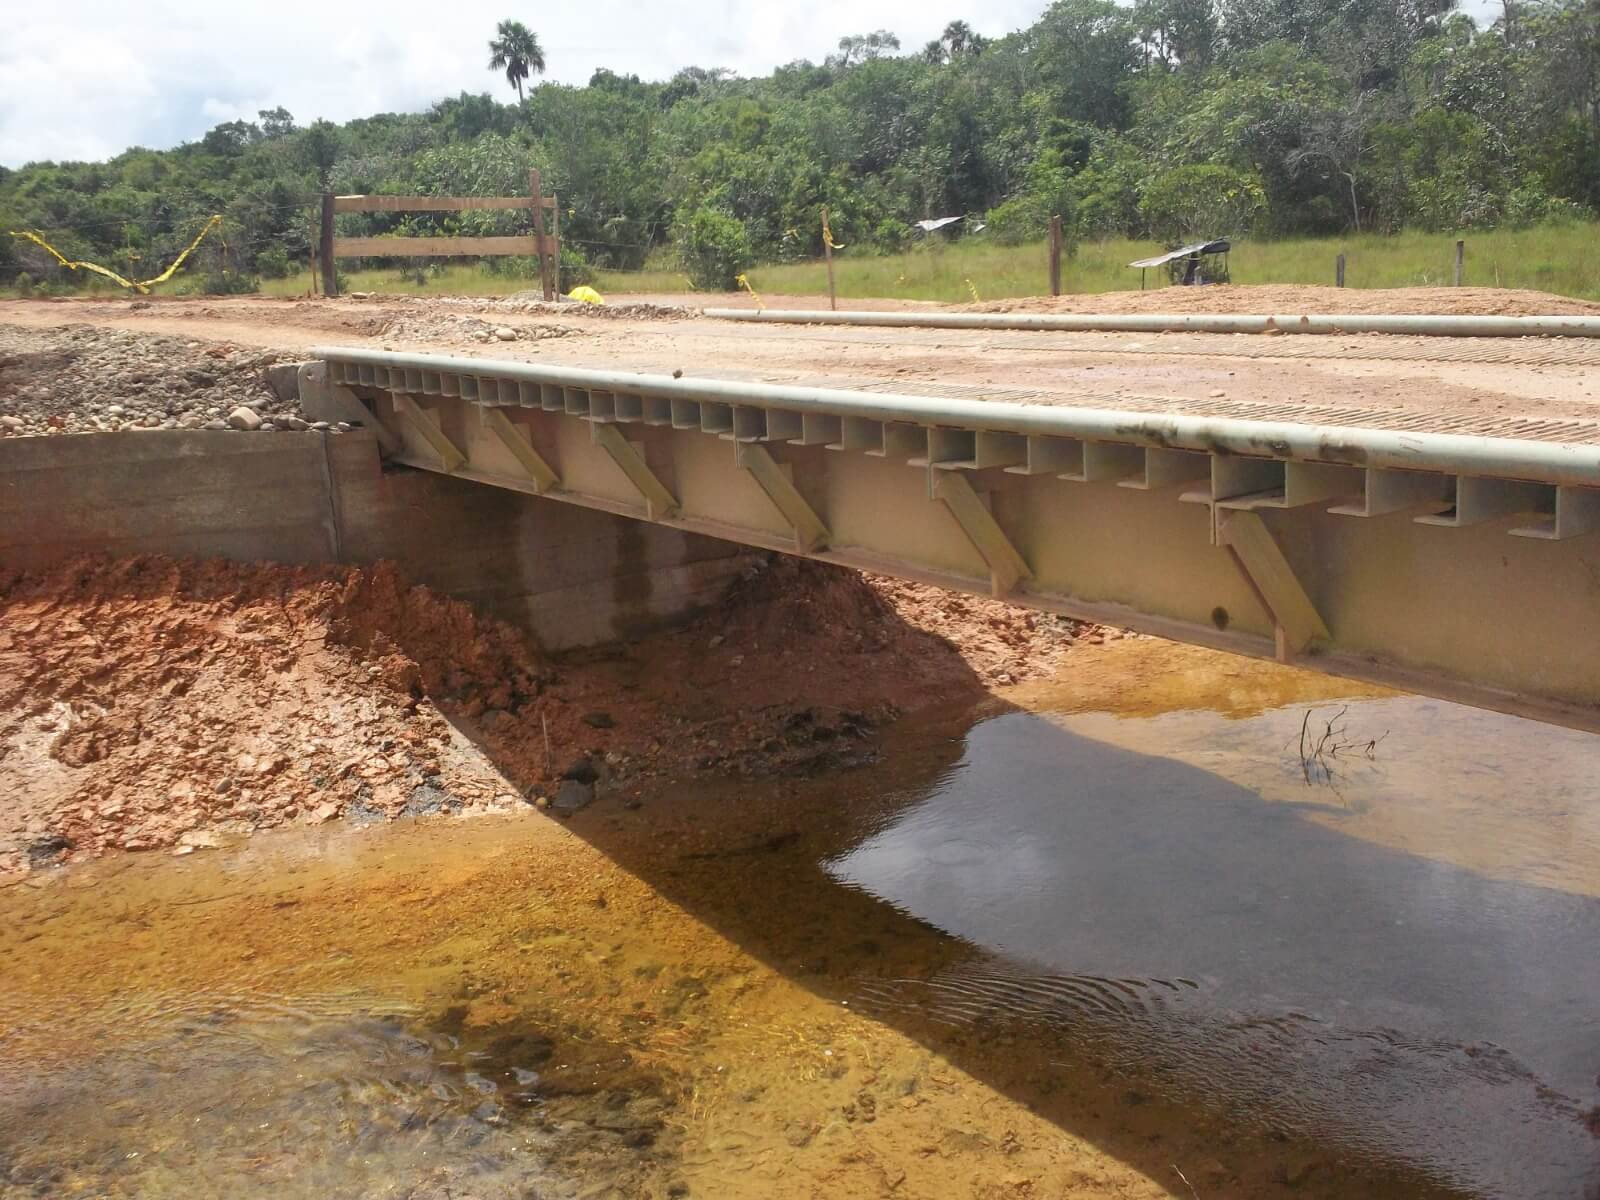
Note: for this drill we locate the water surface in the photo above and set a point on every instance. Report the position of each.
(1076, 947)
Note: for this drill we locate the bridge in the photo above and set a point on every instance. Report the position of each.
(1445, 556)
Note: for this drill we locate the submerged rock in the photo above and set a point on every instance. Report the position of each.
(573, 795)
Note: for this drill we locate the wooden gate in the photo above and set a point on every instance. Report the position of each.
(546, 245)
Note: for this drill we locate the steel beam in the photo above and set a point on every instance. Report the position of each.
(513, 439)
(809, 531)
(659, 502)
(1007, 568)
(424, 423)
(1298, 625)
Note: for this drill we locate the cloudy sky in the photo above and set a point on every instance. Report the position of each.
(85, 79)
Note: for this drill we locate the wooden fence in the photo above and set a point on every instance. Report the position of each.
(546, 245)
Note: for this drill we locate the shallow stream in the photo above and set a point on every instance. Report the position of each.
(1220, 932)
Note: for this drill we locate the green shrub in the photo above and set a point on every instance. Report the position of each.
(273, 263)
(511, 266)
(575, 269)
(892, 235)
(237, 284)
(1202, 201)
(714, 249)
(24, 285)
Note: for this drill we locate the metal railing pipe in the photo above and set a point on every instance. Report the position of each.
(1570, 463)
(1417, 326)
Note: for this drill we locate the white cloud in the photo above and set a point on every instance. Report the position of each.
(160, 72)
(96, 76)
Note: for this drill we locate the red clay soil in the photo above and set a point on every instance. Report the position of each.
(149, 702)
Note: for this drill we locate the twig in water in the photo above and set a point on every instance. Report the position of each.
(1186, 1182)
(544, 723)
(1319, 751)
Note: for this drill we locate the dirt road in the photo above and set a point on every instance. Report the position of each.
(1467, 382)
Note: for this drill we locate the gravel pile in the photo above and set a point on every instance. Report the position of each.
(456, 327)
(80, 379)
(532, 303)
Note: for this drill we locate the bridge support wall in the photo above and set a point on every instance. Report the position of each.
(571, 576)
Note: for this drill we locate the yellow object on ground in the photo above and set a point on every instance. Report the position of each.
(587, 294)
(132, 284)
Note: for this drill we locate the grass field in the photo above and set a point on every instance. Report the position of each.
(1564, 259)
(456, 279)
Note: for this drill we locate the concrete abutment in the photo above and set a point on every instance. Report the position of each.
(570, 576)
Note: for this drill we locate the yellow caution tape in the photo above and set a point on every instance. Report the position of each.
(971, 287)
(744, 282)
(827, 234)
(137, 285)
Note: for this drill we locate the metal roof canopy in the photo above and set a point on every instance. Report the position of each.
(1215, 246)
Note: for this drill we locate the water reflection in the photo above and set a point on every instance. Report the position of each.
(1400, 1006)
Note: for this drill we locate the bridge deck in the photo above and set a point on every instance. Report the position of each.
(1464, 384)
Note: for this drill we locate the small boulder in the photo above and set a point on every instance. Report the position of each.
(291, 423)
(283, 381)
(244, 417)
(572, 795)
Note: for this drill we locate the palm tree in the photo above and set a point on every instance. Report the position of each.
(960, 38)
(516, 52)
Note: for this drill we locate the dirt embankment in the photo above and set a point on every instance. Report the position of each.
(149, 703)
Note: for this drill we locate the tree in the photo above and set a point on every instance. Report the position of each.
(516, 51)
(959, 40)
(1341, 141)
(1178, 33)
(863, 47)
(1085, 51)
(320, 145)
(276, 122)
(1202, 201)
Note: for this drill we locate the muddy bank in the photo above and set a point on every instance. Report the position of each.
(149, 703)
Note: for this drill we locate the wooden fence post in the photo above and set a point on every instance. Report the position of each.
(330, 281)
(1338, 271)
(555, 240)
(1461, 261)
(537, 202)
(1055, 256)
(827, 253)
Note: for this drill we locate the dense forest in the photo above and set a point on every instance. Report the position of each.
(1166, 119)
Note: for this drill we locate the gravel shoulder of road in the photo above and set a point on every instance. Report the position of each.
(87, 379)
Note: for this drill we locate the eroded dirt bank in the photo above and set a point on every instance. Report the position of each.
(149, 703)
